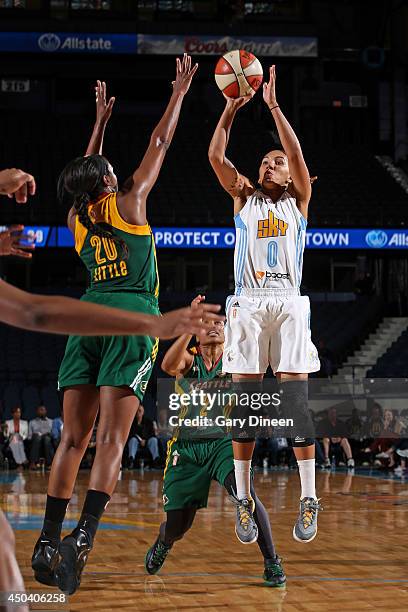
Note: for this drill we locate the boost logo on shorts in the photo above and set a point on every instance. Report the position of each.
(272, 275)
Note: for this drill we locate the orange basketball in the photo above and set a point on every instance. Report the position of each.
(238, 73)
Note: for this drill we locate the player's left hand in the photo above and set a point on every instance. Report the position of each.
(184, 74)
(10, 243)
(17, 183)
(269, 92)
(103, 108)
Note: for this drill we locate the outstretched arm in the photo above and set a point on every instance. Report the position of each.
(103, 113)
(290, 143)
(230, 179)
(178, 360)
(132, 200)
(63, 315)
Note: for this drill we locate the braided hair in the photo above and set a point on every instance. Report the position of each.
(80, 183)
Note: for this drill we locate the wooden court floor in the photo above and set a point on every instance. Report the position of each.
(359, 560)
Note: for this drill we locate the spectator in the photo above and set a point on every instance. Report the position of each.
(354, 425)
(355, 429)
(39, 432)
(375, 423)
(143, 435)
(17, 432)
(386, 444)
(56, 431)
(334, 433)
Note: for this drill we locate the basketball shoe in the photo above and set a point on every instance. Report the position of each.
(245, 527)
(305, 529)
(274, 575)
(74, 550)
(44, 560)
(156, 556)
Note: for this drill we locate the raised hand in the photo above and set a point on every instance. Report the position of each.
(184, 74)
(188, 321)
(269, 89)
(10, 243)
(236, 103)
(17, 183)
(103, 108)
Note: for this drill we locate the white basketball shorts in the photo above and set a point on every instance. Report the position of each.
(269, 327)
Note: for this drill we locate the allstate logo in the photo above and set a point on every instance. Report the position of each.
(376, 239)
(49, 42)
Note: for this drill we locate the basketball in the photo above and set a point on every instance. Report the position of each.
(238, 73)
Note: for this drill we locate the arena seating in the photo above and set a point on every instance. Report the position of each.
(394, 363)
(352, 188)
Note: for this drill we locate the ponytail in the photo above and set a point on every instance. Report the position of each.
(79, 184)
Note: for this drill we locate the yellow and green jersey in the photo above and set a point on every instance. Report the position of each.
(213, 381)
(109, 267)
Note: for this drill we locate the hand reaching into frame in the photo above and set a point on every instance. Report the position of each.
(11, 243)
(187, 320)
(17, 183)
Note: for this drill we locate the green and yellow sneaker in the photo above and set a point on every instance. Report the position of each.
(156, 556)
(274, 575)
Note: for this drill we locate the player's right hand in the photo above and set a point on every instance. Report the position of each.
(187, 321)
(236, 103)
(17, 183)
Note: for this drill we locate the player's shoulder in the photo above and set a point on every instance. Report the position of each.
(241, 197)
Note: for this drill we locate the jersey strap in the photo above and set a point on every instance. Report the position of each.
(105, 210)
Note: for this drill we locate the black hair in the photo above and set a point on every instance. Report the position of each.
(81, 182)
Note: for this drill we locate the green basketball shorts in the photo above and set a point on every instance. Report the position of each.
(113, 361)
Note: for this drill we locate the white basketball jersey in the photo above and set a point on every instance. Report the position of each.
(270, 240)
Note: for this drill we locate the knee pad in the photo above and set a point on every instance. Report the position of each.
(295, 406)
(299, 441)
(246, 391)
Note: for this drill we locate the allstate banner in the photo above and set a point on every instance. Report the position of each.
(276, 46)
(67, 42)
(154, 44)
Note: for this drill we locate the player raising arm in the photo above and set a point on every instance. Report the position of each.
(268, 321)
(65, 315)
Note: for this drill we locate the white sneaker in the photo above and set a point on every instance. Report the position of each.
(350, 463)
(382, 455)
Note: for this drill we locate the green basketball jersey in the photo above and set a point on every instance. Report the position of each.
(213, 381)
(109, 268)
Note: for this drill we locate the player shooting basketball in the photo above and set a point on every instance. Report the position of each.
(268, 321)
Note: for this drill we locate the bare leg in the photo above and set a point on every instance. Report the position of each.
(10, 575)
(81, 404)
(326, 446)
(118, 409)
(345, 445)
